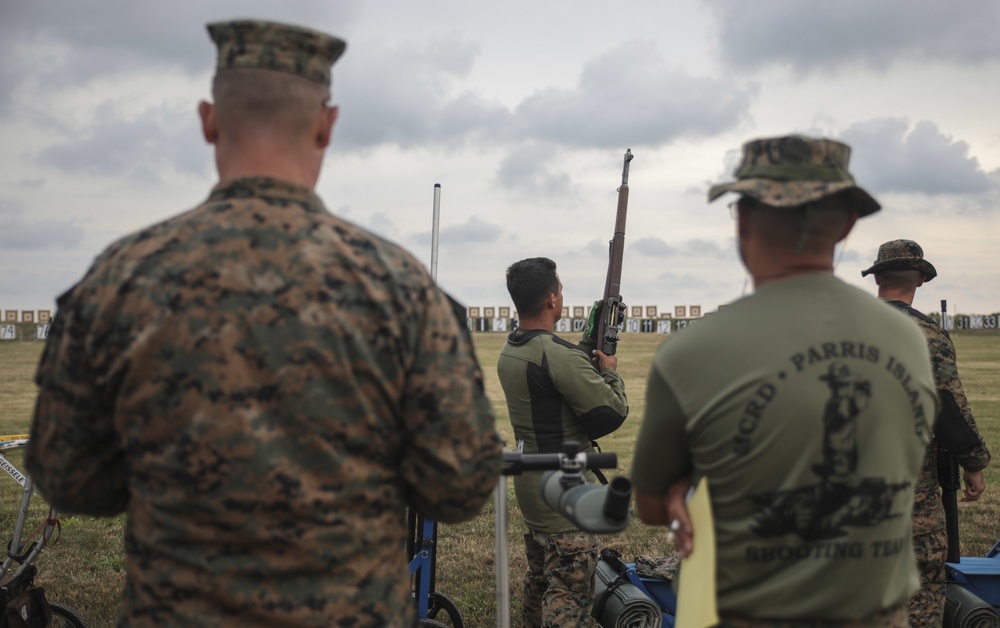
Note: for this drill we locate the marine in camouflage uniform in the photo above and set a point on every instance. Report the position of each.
(900, 268)
(554, 394)
(264, 388)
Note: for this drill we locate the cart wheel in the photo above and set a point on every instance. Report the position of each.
(66, 617)
(443, 611)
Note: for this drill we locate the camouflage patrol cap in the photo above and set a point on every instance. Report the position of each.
(793, 170)
(901, 255)
(273, 46)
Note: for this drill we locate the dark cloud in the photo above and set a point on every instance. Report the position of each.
(22, 233)
(806, 36)
(474, 231)
(527, 172)
(888, 156)
(631, 97)
(139, 148)
(687, 288)
(72, 43)
(653, 247)
(401, 95)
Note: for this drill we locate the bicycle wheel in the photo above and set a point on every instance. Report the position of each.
(443, 611)
(66, 617)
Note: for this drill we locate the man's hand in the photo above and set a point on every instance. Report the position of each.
(604, 361)
(675, 503)
(974, 485)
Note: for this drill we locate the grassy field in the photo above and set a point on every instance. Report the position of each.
(85, 569)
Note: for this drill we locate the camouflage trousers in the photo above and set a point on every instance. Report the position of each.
(926, 608)
(559, 582)
(894, 617)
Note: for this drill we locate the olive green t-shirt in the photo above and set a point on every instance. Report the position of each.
(807, 406)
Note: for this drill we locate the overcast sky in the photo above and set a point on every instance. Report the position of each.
(522, 111)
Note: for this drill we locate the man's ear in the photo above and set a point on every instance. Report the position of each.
(742, 222)
(324, 129)
(852, 218)
(209, 125)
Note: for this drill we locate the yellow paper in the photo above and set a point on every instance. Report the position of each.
(697, 604)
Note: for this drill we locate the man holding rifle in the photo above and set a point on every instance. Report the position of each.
(804, 409)
(900, 268)
(555, 393)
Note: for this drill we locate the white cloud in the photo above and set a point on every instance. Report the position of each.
(889, 156)
(631, 96)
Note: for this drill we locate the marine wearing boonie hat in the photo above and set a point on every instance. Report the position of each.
(793, 170)
(901, 255)
(263, 45)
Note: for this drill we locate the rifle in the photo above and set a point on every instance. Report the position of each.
(947, 469)
(614, 309)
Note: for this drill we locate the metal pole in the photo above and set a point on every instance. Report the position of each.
(434, 232)
(502, 558)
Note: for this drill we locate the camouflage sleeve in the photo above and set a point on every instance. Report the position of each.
(451, 460)
(943, 359)
(74, 455)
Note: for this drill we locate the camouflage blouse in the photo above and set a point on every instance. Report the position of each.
(264, 388)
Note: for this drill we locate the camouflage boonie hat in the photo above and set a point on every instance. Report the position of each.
(901, 255)
(792, 170)
(273, 46)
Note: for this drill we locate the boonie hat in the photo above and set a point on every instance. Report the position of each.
(901, 255)
(272, 46)
(792, 170)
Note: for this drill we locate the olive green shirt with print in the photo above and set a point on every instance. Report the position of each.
(807, 406)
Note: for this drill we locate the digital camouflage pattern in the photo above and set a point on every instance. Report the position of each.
(792, 170)
(928, 513)
(559, 582)
(926, 607)
(264, 388)
(901, 255)
(930, 537)
(272, 46)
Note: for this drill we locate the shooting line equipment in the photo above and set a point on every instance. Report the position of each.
(434, 231)
(422, 533)
(599, 509)
(613, 310)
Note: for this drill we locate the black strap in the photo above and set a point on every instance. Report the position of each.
(613, 558)
(603, 479)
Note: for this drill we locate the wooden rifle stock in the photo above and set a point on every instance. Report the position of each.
(612, 314)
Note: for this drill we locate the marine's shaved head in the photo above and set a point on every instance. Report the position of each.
(252, 101)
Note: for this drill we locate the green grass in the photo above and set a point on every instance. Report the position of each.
(86, 568)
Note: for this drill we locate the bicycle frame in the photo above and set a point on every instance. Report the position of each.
(423, 561)
(24, 554)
